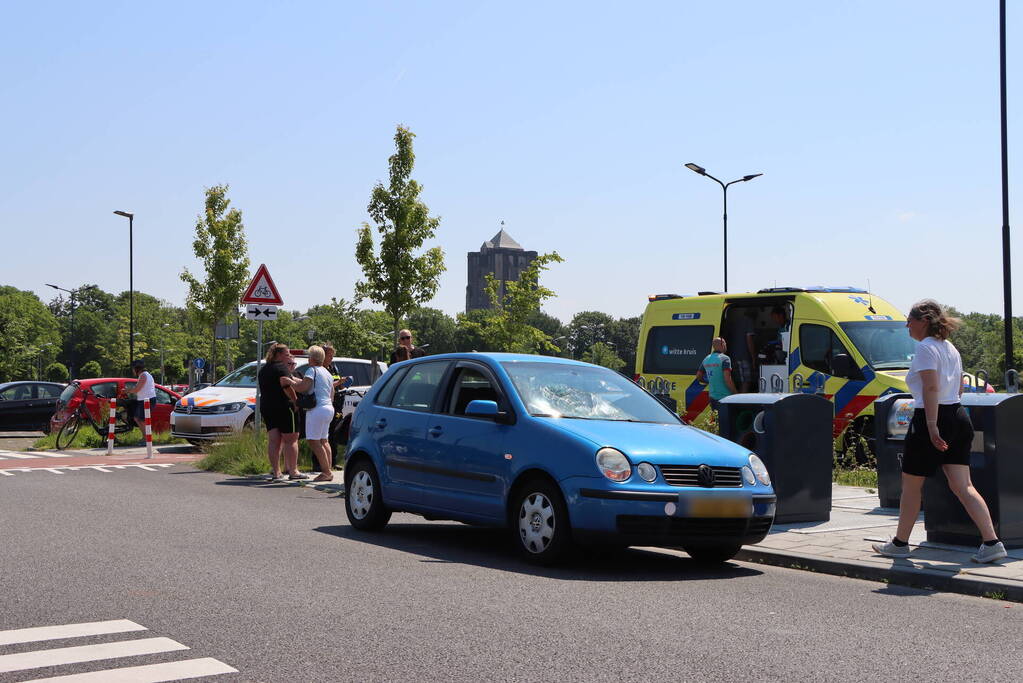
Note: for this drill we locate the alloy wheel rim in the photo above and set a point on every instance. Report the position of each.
(536, 522)
(361, 496)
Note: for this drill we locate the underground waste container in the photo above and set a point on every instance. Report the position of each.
(996, 469)
(892, 415)
(791, 433)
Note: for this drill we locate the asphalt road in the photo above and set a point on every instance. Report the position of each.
(272, 581)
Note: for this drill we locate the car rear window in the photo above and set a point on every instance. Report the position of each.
(358, 371)
(69, 391)
(676, 349)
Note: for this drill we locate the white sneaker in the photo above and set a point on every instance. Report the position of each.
(990, 553)
(889, 549)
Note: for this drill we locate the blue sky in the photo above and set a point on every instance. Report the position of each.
(875, 125)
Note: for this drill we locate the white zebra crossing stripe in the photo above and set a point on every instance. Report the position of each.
(19, 456)
(90, 628)
(87, 653)
(151, 673)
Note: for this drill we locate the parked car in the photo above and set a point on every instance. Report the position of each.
(28, 405)
(102, 390)
(229, 405)
(556, 450)
(178, 388)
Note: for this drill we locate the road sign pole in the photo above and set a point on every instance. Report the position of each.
(259, 355)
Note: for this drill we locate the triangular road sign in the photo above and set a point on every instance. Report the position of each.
(262, 289)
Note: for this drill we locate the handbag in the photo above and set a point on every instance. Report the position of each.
(307, 401)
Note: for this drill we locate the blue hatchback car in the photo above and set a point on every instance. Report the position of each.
(556, 450)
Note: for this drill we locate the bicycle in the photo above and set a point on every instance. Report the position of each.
(69, 430)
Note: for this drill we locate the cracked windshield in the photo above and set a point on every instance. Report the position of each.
(583, 393)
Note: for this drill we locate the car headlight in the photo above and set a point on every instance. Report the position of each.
(647, 471)
(613, 464)
(229, 408)
(757, 465)
(747, 475)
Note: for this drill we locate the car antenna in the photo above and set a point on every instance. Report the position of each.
(870, 300)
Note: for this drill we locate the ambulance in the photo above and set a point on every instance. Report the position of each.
(844, 343)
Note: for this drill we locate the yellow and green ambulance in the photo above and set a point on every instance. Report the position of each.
(847, 344)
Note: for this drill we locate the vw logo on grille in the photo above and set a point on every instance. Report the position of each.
(189, 409)
(705, 475)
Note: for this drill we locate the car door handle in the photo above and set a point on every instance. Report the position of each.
(436, 431)
(381, 423)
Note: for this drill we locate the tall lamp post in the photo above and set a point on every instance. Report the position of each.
(1006, 253)
(724, 187)
(131, 285)
(74, 304)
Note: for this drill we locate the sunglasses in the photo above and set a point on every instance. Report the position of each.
(405, 337)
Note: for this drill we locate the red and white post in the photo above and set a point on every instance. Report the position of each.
(149, 431)
(110, 426)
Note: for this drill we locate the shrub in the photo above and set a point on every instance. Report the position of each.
(90, 370)
(56, 372)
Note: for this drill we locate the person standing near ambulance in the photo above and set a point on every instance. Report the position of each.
(940, 434)
(716, 372)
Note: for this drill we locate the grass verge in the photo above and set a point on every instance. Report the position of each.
(855, 477)
(88, 438)
(244, 454)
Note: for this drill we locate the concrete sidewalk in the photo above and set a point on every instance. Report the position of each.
(842, 546)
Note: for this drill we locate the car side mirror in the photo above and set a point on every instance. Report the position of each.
(842, 366)
(479, 408)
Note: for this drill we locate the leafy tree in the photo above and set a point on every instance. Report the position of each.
(624, 334)
(56, 372)
(221, 246)
(434, 327)
(602, 354)
(397, 278)
(505, 327)
(468, 331)
(586, 329)
(90, 370)
(27, 328)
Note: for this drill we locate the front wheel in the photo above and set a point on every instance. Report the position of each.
(68, 431)
(541, 528)
(363, 504)
(713, 554)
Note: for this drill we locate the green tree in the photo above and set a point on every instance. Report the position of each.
(434, 327)
(587, 328)
(602, 354)
(221, 246)
(27, 330)
(505, 327)
(397, 278)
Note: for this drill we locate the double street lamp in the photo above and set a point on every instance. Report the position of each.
(74, 305)
(724, 187)
(131, 286)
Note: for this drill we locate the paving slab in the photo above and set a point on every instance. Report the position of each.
(841, 546)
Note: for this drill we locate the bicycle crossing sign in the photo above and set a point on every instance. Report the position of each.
(262, 289)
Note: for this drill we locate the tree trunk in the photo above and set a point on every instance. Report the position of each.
(213, 354)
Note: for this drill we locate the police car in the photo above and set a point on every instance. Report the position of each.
(229, 405)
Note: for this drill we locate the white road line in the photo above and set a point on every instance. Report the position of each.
(152, 673)
(89, 628)
(22, 456)
(97, 467)
(145, 467)
(87, 653)
(47, 454)
(6, 473)
(52, 469)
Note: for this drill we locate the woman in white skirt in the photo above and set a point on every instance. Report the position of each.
(317, 380)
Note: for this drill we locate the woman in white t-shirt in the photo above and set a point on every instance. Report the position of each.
(317, 380)
(941, 433)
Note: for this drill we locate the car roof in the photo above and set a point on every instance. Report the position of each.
(500, 357)
(4, 385)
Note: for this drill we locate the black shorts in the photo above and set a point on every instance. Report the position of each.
(283, 419)
(139, 408)
(921, 458)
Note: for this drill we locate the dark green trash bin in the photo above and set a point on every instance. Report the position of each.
(892, 415)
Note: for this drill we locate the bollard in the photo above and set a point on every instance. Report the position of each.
(110, 426)
(149, 431)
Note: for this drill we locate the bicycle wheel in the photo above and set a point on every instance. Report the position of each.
(68, 431)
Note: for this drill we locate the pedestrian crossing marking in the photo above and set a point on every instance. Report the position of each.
(87, 653)
(79, 654)
(90, 628)
(150, 673)
(106, 469)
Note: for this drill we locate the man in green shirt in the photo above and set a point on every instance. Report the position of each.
(716, 372)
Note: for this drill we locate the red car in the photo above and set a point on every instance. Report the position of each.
(99, 392)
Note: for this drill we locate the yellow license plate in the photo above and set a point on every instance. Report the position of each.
(718, 506)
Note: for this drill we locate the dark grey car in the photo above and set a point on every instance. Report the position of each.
(28, 405)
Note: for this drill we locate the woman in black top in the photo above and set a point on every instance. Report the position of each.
(279, 412)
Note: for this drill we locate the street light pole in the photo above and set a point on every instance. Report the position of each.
(1006, 260)
(724, 216)
(131, 285)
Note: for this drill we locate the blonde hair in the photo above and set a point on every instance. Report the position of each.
(274, 349)
(316, 355)
(939, 323)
